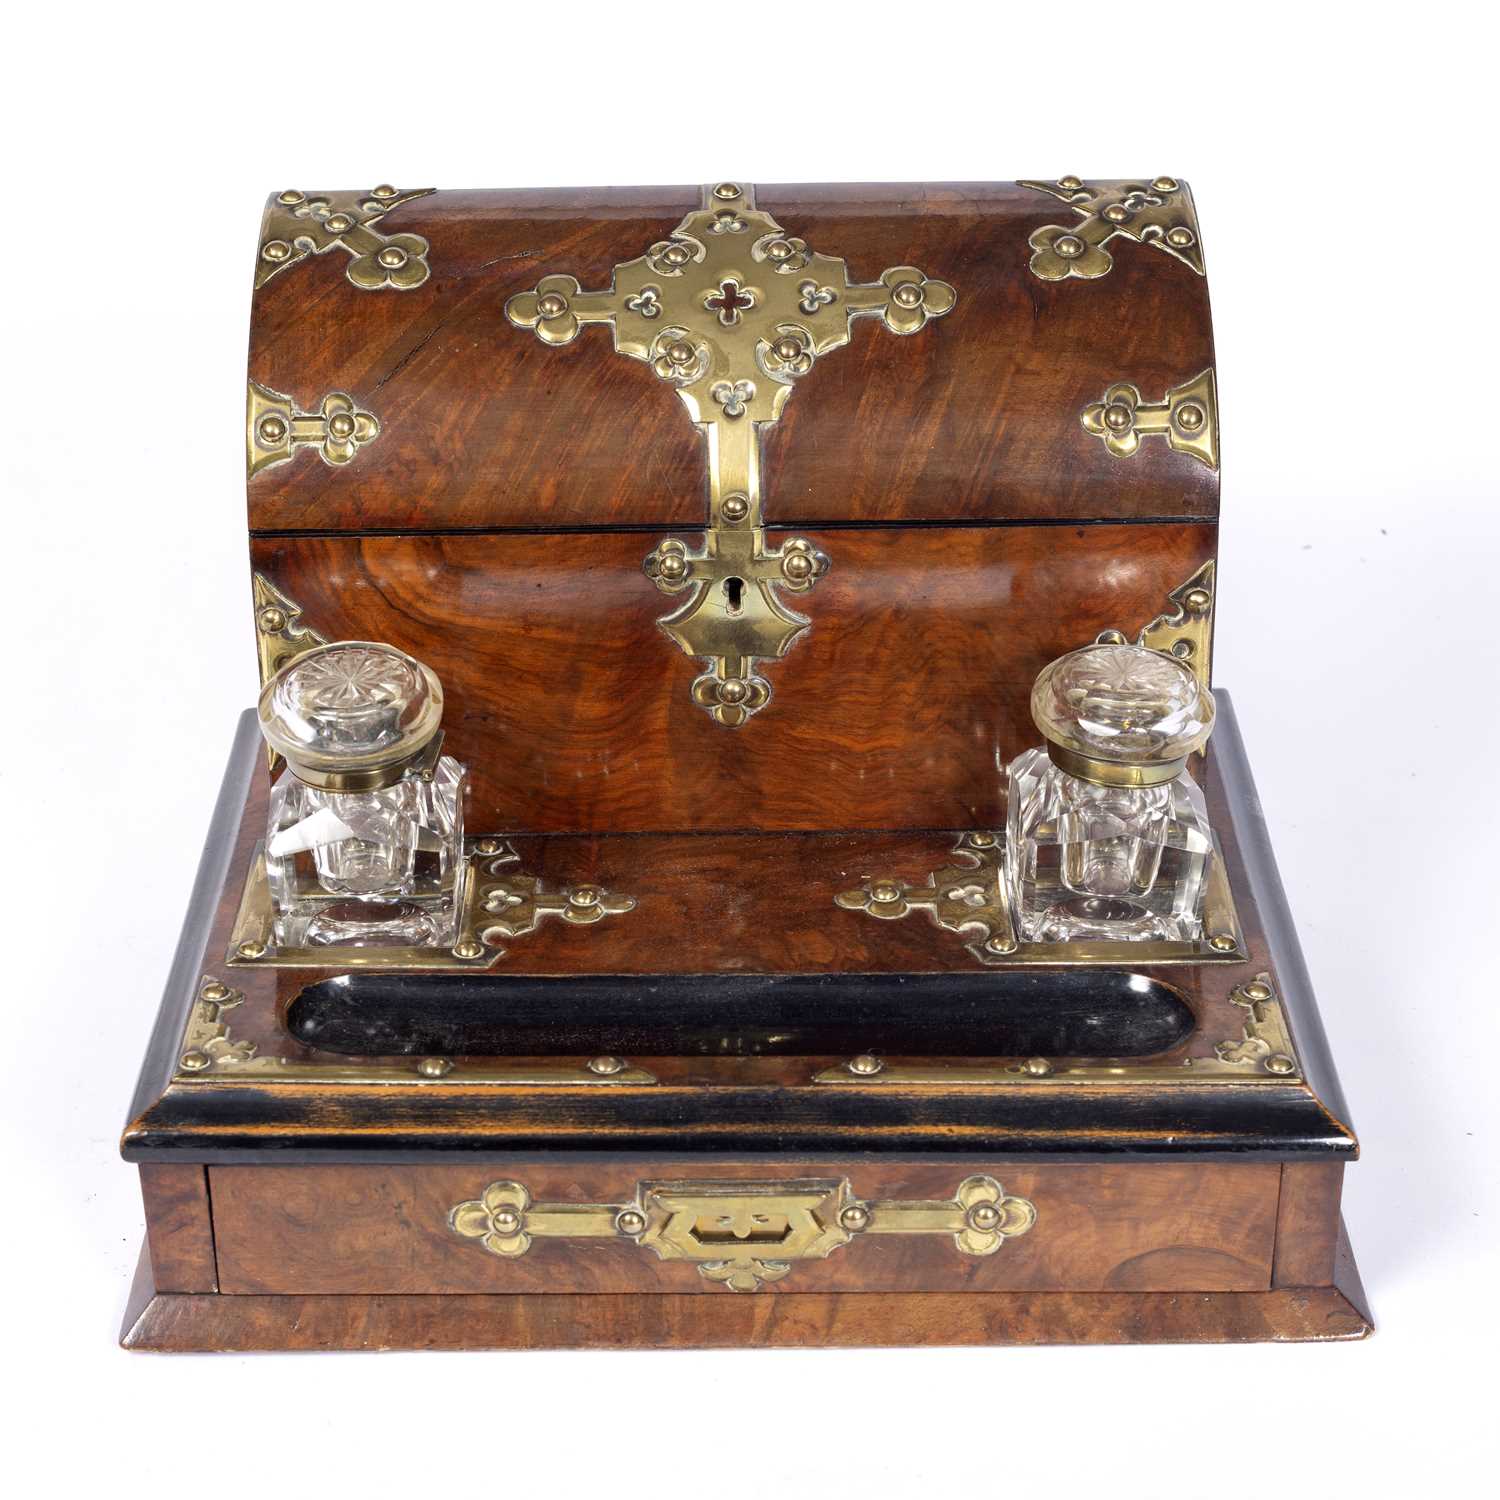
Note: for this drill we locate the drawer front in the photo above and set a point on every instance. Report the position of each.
(707, 1227)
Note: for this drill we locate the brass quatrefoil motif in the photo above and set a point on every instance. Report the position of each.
(731, 312)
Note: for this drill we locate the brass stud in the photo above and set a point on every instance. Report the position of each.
(677, 255)
(996, 945)
(251, 948)
(779, 250)
(1070, 183)
(1279, 1062)
(506, 1220)
(467, 948)
(630, 1221)
(733, 690)
(797, 565)
(338, 223)
(673, 566)
(213, 990)
(855, 1217)
(1118, 417)
(272, 430)
(1183, 649)
(885, 892)
(1196, 601)
(1069, 246)
(1036, 1067)
(1190, 416)
(194, 1061)
(1110, 638)
(393, 257)
(786, 349)
(1256, 990)
(275, 250)
(1117, 213)
(735, 508)
(487, 845)
(584, 896)
(434, 1067)
(551, 305)
(727, 190)
(982, 840)
(908, 294)
(1180, 237)
(606, 1066)
(866, 1065)
(341, 425)
(271, 619)
(291, 195)
(1165, 184)
(1222, 942)
(680, 353)
(385, 190)
(983, 1216)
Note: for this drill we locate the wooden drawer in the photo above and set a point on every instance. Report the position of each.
(818, 1227)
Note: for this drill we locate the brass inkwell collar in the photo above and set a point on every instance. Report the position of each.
(1121, 715)
(353, 716)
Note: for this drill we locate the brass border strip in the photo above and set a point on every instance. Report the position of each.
(1262, 1054)
(209, 1053)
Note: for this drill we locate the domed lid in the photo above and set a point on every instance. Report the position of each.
(1121, 715)
(351, 715)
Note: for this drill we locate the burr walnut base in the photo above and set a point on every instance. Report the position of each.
(806, 1126)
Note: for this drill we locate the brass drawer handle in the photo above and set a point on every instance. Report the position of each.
(743, 1233)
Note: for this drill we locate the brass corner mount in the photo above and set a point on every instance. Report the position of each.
(731, 311)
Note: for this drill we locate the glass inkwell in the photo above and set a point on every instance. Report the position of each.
(364, 842)
(1107, 834)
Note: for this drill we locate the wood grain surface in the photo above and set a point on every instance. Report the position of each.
(976, 417)
(1138, 1227)
(573, 710)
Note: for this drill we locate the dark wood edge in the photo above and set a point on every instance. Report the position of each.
(213, 870)
(1292, 978)
(178, 1323)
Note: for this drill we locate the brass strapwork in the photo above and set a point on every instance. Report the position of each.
(275, 430)
(1158, 212)
(1185, 631)
(969, 898)
(1187, 416)
(299, 224)
(966, 898)
(742, 1234)
(730, 312)
(496, 903)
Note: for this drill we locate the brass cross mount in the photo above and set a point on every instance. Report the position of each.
(731, 312)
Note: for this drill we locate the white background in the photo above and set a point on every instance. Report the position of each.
(1343, 162)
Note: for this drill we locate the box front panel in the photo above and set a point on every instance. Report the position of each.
(710, 1227)
(574, 710)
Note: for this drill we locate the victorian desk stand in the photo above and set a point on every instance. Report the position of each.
(735, 1042)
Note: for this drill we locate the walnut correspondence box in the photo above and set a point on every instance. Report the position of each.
(737, 524)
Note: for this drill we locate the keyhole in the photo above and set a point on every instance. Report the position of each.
(734, 590)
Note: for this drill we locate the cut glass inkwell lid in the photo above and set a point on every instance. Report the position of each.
(352, 716)
(1121, 715)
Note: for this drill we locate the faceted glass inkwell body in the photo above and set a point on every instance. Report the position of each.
(1107, 835)
(364, 841)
